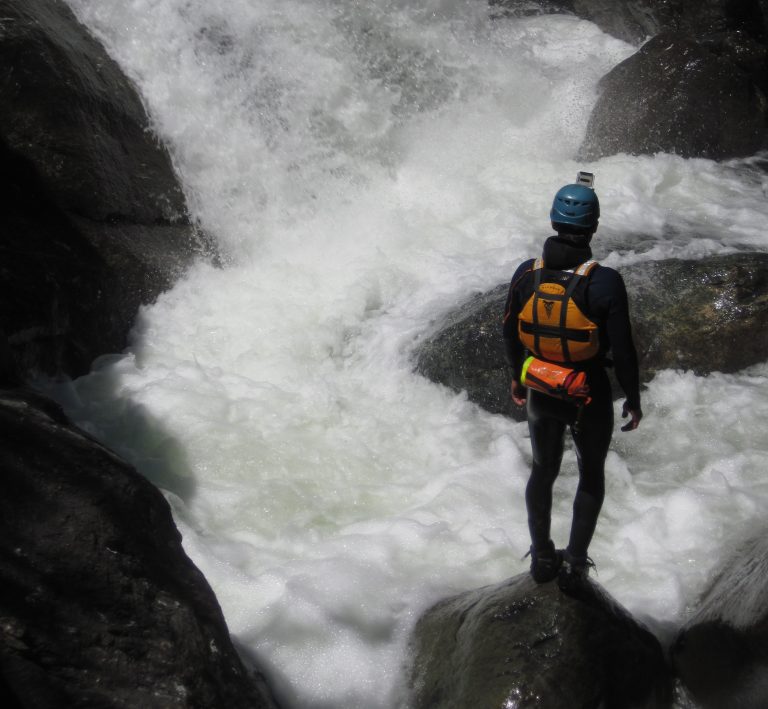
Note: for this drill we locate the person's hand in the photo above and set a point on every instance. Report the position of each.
(636, 415)
(519, 393)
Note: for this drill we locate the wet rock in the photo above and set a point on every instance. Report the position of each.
(93, 216)
(708, 315)
(98, 154)
(635, 21)
(686, 95)
(465, 352)
(698, 88)
(526, 645)
(721, 655)
(99, 604)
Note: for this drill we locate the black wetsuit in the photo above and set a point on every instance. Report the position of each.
(605, 303)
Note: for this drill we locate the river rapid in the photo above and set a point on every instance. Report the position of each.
(365, 167)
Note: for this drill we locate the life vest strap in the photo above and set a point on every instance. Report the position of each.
(582, 269)
(554, 332)
(536, 285)
(586, 268)
(572, 283)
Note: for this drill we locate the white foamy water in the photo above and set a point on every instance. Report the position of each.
(365, 167)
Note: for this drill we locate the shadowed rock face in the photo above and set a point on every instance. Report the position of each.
(93, 218)
(466, 352)
(526, 645)
(99, 604)
(709, 315)
(698, 88)
(696, 98)
(73, 113)
(721, 655)
(723, 667)
(636, 20)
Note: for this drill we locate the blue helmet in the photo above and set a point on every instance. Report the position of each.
(575, 205)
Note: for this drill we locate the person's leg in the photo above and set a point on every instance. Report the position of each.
(592, 439)
(547, 434)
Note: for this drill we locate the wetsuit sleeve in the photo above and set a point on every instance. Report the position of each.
(619, 330)
(513, 348)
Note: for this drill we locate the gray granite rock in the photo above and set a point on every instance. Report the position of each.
(708, 315)
(721, 655)
(93, 217)
(99, 604)
(526, 645)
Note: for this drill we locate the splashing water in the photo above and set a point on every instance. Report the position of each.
(365, 167)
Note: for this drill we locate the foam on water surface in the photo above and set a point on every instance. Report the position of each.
(365, 167)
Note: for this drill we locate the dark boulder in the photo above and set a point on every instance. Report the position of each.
(99, 604)
(685, 95)
(93, 218)
(698, 88)
(636, 20)
(526, 645)
(708, 315)
(721, 655)
(465, 352)
(79, 120)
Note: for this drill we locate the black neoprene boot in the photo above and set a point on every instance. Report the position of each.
(573, 570)
(545, 563)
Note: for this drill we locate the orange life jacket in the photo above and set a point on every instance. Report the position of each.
(551, 325)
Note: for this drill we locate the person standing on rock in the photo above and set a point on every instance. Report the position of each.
(564, 313)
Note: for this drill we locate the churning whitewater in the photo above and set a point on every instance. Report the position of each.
(365, 167)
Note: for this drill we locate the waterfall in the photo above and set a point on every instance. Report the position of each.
(365, 167)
